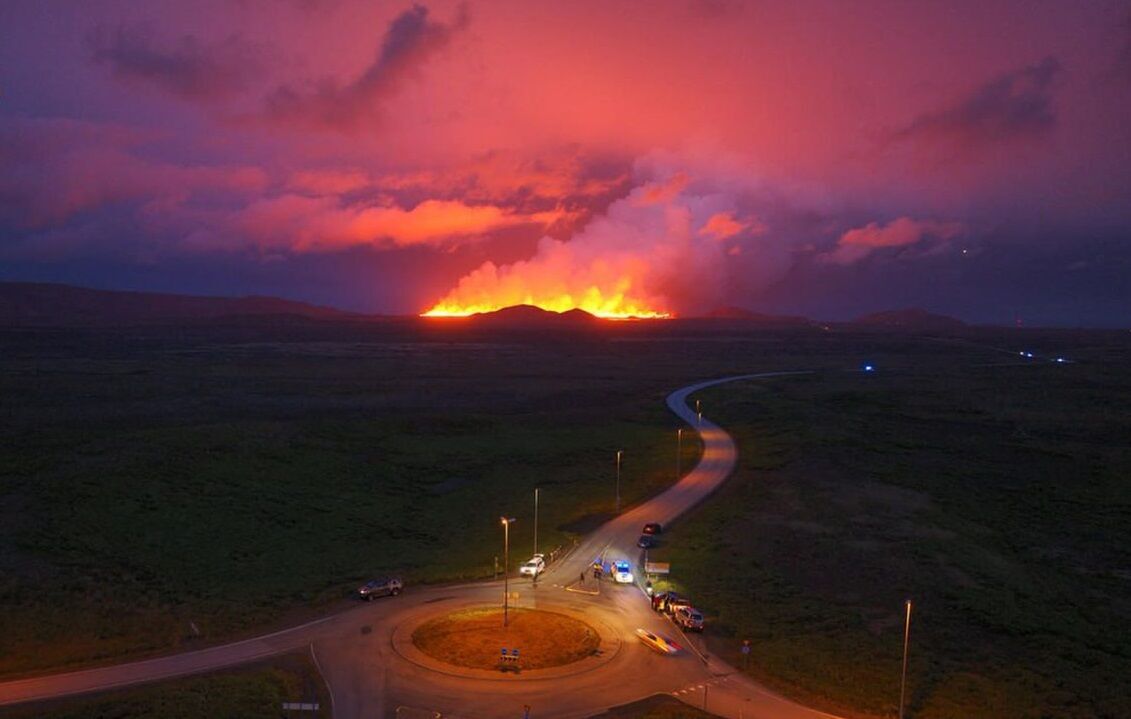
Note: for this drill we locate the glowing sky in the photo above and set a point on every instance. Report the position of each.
(821, 158)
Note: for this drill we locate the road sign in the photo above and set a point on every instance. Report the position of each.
(657, 567)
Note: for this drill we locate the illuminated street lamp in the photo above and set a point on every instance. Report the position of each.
(507, 522)
(619, 453)
(906, 637)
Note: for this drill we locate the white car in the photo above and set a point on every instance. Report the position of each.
(534, 567)
(622, 572)
(657, 641)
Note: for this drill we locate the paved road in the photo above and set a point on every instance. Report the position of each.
(368, 677)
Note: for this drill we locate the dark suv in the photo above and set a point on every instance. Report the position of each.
(383, 587)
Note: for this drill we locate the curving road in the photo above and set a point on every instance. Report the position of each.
(357, 650)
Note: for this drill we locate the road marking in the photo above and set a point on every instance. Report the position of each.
(590, 592)
(329, 689)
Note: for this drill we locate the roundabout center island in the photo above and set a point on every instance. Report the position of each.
(473, 638)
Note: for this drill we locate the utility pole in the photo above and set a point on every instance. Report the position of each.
(678, 451)
(906, 639)
(535, 520)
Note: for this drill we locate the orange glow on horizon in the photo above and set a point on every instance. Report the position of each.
(611, 283)
(614, 308)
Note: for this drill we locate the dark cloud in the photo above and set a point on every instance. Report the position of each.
(191, 69)
(1017, 104)
(410, 41)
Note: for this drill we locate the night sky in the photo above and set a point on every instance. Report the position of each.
(818, 158)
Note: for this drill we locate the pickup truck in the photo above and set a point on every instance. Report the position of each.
(689, 619)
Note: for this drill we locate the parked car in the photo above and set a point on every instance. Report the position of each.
(535, 566)
(659, 642)
(660, 600)
(653, 528)
(674, 603)
(622, 572)
(646, 541)
(689, 619)
(382, 587)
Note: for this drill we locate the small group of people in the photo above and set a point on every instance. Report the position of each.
(598, 570)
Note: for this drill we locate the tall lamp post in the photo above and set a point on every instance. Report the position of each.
(619, 453)
(535, 520)
(507, 522)
(906, 638)
(678, 451)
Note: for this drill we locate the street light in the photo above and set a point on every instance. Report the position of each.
(507, 522)
(535, 520)
(678, 451)
(619, 453)
(906, 637)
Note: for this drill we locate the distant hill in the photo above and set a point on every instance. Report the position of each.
(533, 317)
(913, 319)
(745, 315)
(29, 304)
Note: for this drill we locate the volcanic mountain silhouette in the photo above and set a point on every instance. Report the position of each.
(31, 304)
(531, 316)
(913, 318)
(750, 317)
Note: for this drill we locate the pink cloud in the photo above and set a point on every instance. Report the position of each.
(856, 244)
(328, 181)
(722, 225)
(317, 224)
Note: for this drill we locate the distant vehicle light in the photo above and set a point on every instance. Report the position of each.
(869, 368)
(1060, 360)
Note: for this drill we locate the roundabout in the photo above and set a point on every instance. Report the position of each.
(468, 642)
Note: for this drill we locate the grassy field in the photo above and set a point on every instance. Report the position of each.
(472, 637)
(154, 482)
(997, 498)
(238, 478)
(255, 692)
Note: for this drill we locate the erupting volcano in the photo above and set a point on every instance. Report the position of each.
(562, 276)
(615, 307)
